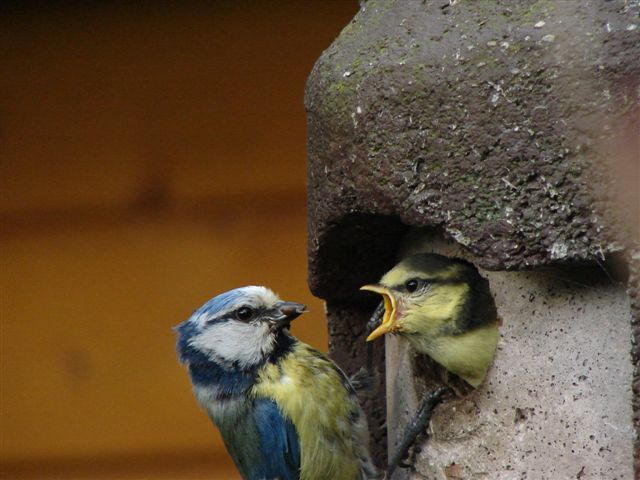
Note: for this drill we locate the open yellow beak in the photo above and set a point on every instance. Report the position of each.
(388, 319)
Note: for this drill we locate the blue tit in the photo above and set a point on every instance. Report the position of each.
(444, 307)
(284, 410)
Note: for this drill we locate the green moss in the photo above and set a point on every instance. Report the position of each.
(338, 88)
(534, 12)
(514, 48)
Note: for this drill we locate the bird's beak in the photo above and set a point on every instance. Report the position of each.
(285, 313)
(388, 319)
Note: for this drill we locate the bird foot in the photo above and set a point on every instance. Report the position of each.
(416, 426)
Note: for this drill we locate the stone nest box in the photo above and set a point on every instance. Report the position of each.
(506, 133)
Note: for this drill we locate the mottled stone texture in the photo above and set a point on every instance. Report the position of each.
(508, 126)
(634, 295)
(471, 118)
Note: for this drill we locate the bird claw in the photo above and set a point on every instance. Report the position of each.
(416, 426)
(376, 318)
(372, 323)
(407, 456)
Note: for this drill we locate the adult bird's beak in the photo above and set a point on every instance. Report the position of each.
(388, 319)
(285, 312)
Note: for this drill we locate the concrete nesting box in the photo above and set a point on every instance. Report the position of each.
(505, 133)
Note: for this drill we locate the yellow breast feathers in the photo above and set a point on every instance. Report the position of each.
(310, 391)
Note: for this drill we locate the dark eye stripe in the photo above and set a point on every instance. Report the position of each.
(423, 282)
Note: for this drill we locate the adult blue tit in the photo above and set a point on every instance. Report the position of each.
(444, 307)
(285, 411)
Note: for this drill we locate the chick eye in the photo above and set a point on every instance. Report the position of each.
(244, 313)
(411, 285)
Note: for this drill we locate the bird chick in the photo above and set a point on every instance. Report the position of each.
(284, 410)
(444, 307)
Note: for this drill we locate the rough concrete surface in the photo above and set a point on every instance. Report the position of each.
(510, 127)
(491, 119)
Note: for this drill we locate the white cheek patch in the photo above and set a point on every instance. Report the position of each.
(234, 341)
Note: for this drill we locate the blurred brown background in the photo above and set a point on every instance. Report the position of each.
(150, 157)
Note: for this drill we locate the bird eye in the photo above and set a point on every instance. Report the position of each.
(244, 313)
(411, 285)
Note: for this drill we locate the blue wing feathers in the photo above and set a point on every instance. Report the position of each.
(279, 447)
